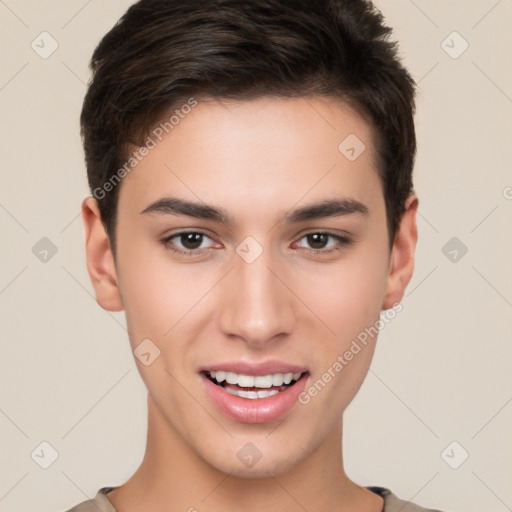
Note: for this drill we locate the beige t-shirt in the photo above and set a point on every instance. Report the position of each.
(101, 502)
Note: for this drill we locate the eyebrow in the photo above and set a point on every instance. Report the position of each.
(321, 210)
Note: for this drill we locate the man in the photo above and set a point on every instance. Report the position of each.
(252, 212)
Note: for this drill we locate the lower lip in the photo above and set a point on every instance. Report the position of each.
(259, 410)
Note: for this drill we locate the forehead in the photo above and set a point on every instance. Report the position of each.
(271, 151)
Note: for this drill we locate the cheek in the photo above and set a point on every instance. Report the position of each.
(348, 296)
(168, 303)
(155, 294)
(159, 300)
(349, 304)
(348, 300)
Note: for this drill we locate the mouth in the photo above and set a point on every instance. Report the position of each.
(253, 387)
(254, 394)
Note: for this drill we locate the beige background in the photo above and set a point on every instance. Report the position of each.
(441, 372)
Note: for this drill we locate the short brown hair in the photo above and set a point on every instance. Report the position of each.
(163, 52)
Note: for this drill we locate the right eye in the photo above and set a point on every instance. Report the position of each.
(187, 242)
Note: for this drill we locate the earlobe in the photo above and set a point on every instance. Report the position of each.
(402, 255)
(100, 260)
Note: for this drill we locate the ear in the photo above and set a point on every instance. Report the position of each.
(401, 263)
(100, 260)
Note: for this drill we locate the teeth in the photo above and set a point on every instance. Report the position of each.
(277, 379)
(252, 394)
(231, 378)
(263, 381)
(249, 381)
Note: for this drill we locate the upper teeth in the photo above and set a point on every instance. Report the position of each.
(249, 381)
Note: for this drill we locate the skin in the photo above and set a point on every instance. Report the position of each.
(257, 160)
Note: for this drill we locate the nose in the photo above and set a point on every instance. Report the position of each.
(257, 307)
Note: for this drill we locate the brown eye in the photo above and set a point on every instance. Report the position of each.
(323, 243)
(191, 240)
(188, 243)
(317, 240)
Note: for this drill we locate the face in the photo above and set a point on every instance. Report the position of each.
(252, 250)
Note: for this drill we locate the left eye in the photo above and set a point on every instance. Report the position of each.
(322, 241)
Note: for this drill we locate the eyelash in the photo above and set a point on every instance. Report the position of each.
(343, 241)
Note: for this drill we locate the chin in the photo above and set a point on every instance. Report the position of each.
(270, 464)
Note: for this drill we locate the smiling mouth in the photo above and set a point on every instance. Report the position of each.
(253, 387)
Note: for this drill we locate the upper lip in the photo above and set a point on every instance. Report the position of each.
(268, 367)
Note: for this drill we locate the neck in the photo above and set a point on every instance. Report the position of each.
(173, 477)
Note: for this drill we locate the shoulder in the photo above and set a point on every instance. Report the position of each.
(394, 504)
(100, 503)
